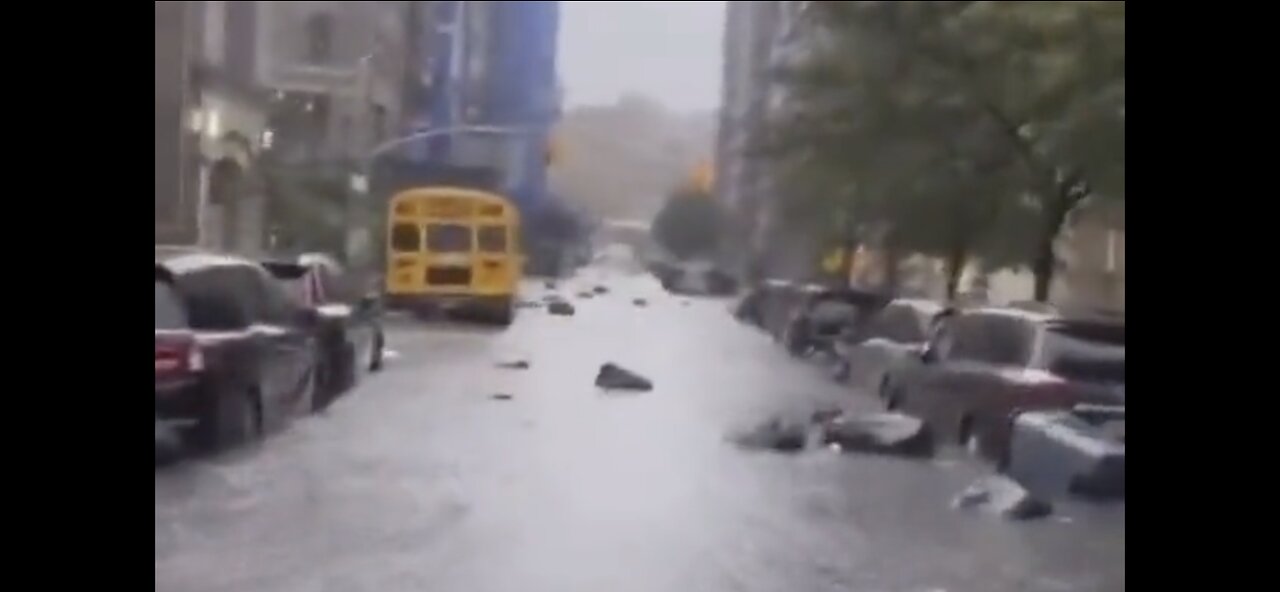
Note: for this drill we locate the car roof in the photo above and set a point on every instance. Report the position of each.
(921, 305)
(182, 260)
(1069, 322)
(1016, 313)
(318, 259)
(285, 269)
(163, 275)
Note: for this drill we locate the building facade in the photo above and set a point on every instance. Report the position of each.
(523, 90)
(246, 86)
(760, 36)
(176, 163)
(209, 122)
(336, 71)
(337, 74)
(492, 65)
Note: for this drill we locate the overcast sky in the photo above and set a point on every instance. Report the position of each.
(667, 50)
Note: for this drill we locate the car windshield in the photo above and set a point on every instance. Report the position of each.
(1078, 357)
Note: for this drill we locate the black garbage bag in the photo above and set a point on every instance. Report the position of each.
(561, 308)
(615, 377)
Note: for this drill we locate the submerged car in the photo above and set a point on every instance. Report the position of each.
(349, 334)
(822, 316)
(234, 355)
(783, 304)
(984, 366)
(1077, 452)
(894, 335)
(696, 278)
(761, 301)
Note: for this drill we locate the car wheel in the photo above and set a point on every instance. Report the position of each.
(236, 419)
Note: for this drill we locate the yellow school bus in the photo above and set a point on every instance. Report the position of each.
(452, 248)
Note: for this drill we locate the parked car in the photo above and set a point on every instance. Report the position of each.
(234, 355)
(894, 335)
(984, 366)
(349, 333)
(822, 316)
(760, 301)
(1077, 452)
(780, 307)
(695, 278)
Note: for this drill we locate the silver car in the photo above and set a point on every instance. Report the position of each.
(893, 336)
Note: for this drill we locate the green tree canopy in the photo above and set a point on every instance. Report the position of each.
(688, 225)
(955, 126)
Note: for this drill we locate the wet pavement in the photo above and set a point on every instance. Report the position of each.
(422, 480)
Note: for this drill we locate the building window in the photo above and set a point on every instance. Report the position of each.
(320, 38)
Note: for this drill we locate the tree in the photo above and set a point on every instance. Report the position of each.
(991, 112)
(688, 225)
(305, 209)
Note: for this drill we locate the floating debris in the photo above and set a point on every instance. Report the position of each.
(615, 377)
(561, 308)
(1000, 496)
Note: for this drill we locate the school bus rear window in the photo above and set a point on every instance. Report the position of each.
(449, 238)
(406, 237)
(493, 239)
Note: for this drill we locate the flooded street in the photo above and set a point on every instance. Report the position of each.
(421, 480)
